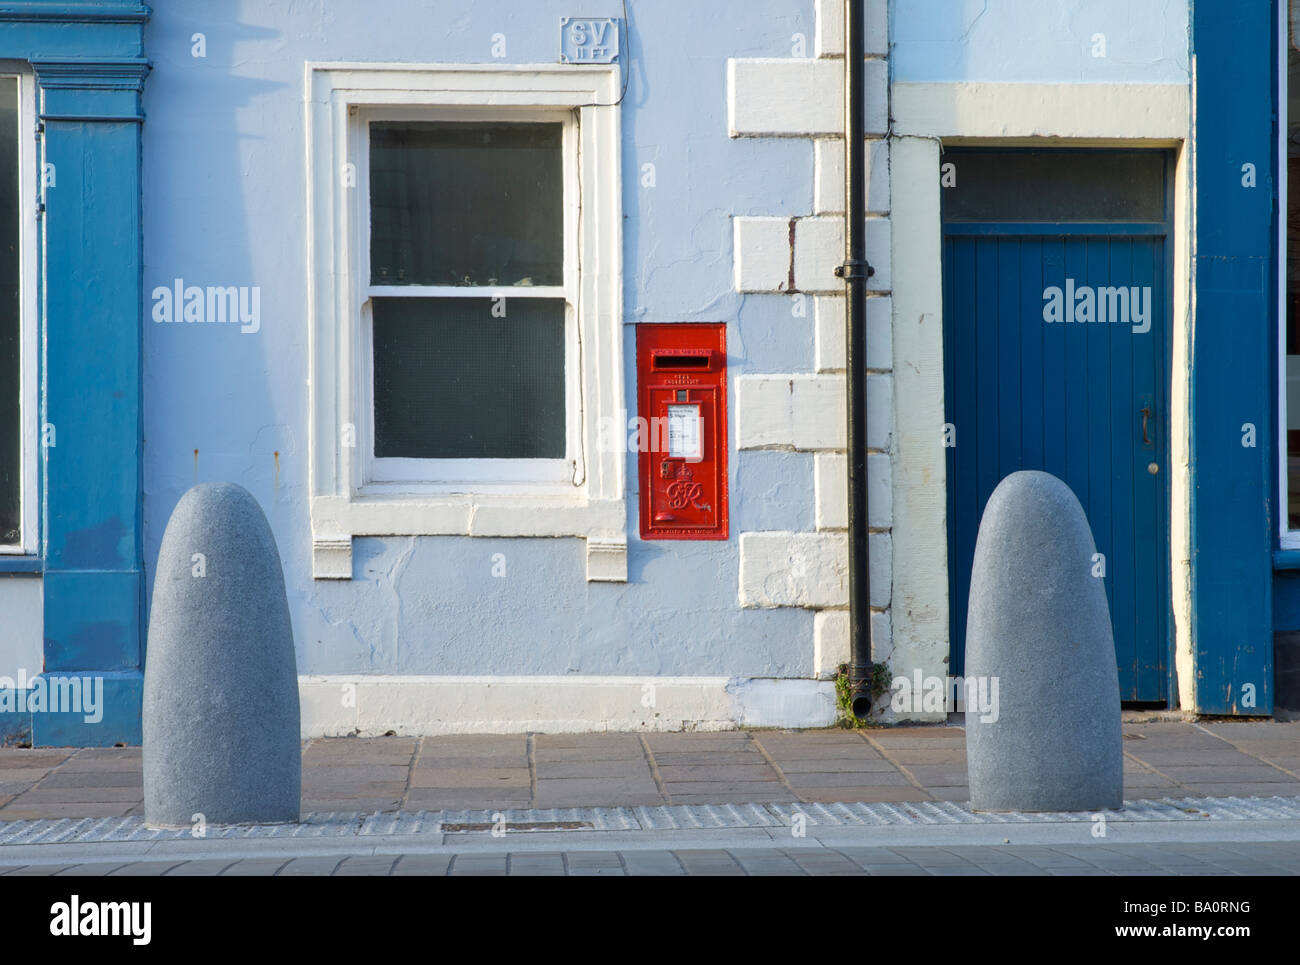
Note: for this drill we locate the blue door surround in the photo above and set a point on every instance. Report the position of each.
(87, 58)
(1234, 363)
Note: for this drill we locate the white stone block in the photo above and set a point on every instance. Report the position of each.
(807, 412)
(819, 250)
(606, 560)
(786, 97)
(828, 311)
(807, 569)
(831, 486)
(831, 640)
(830, 28)
(828, 176)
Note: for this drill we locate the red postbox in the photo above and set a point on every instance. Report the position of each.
(682, 430)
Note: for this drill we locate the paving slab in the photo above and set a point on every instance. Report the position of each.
(709, 862)
(840, 765)
(653, 863)
(479, 864)
(144, 869)
(40, 795)
(461, 777)
(591, 863)
(422, 864)
(84, 777)
(22, 775)
(309, 867)
(593, 770)
(261, 867)
(550, 863)
(25, 757)
(198, 869)
(1215, 774)
(16, 811)
(749, 755)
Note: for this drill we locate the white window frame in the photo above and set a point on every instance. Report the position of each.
(466, 475)
(29, 321)
(353, 494)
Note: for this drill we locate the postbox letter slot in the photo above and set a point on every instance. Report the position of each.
(668, 362)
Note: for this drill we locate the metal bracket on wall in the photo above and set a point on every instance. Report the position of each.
(854, 269)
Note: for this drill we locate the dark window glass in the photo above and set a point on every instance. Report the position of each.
(10, 321)
(1020, 185)
(466, 204)
(453, 382)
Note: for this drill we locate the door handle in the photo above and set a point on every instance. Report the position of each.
(1146, 414)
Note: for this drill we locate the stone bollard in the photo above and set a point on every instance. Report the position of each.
(221, 720)
(1039, 623)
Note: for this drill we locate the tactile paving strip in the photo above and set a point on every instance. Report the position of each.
(656, 818)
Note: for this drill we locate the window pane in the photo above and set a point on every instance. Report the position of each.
(1053, 185)
(10, 327)
(454, 382)
(466, 204)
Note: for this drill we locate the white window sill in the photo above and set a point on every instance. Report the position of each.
(336, 521)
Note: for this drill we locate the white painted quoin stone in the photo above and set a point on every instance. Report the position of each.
(804, 412)
(828, 314)
(830, 478)
(830, 28)
(831, 640)
(807, 570)
(785, 97)
(828, 176)
(800, 254)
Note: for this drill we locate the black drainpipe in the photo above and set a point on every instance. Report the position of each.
(855, 271)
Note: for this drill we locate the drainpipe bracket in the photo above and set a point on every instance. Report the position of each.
(854, 269)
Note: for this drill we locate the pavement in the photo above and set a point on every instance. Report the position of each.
(1202, 797)
(1163, 758)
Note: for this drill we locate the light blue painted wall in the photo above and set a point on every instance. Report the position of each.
(224, 204)
(1039, 41)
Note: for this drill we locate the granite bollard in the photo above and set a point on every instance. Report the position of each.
(221, 718)
(1039, 622)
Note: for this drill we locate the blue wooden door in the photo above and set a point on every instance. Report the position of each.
(1055, 358)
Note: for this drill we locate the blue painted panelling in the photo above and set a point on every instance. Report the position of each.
(1286, 601)
(117, 719)
(1232, 521)
(89, 73)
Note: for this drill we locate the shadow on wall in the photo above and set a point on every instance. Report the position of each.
(207, 368)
